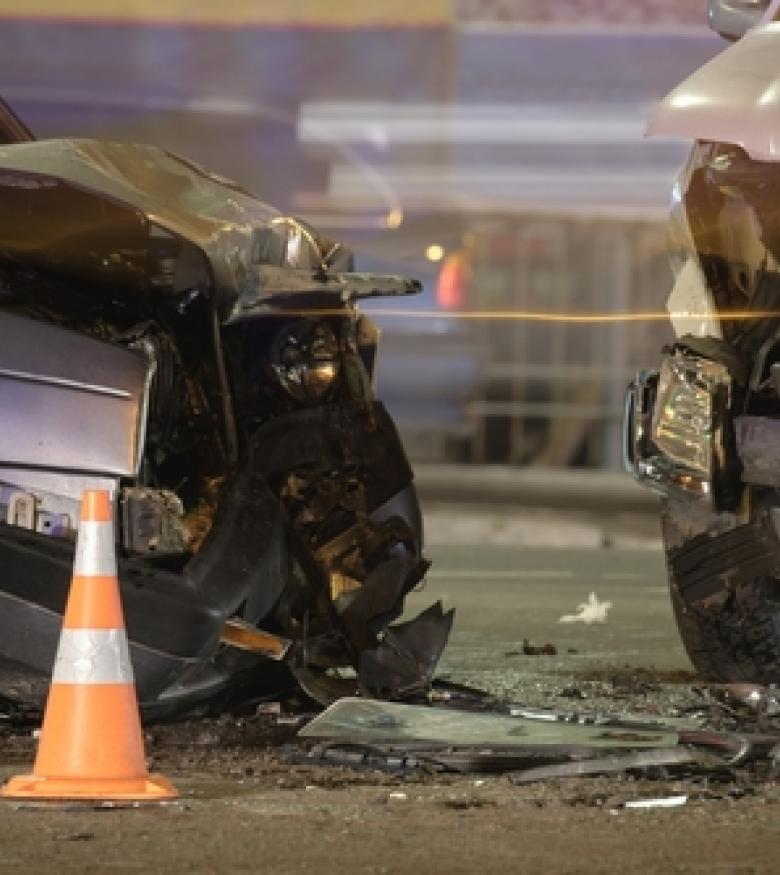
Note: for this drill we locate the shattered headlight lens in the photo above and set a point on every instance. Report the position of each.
(682, 420)
(685, 425)
(305, 357)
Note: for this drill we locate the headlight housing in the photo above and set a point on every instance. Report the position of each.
(684, 425)
(305, 357)
(678, 426)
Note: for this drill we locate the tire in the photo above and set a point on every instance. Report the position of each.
(725, 590)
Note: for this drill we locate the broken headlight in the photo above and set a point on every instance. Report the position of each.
(676, 426)
(305, 357)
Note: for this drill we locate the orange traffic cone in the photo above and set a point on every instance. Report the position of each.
(91, 746)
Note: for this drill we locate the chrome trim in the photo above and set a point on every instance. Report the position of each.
(61, 383)
(637, 414)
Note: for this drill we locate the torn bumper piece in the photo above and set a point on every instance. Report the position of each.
(645, 759)
(404, 662)
(373, 721)
(401, 666)
(400, 737)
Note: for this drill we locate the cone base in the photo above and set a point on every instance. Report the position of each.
(148, 788)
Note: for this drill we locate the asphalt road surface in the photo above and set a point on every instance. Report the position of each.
(503, 596)
(245, 808)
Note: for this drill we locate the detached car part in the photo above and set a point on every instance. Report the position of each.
(363, 720)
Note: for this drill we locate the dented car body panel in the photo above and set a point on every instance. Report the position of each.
(179, 342)
(734, 98)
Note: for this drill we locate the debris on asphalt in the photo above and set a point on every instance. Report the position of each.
(759, 699)
(593, 757)
(529, 649)
(540, 650)
(591, 611)
(737, 749)
(82, 836)
(496, 761)
(269, 708)
(646, 759)
(290, 719)
(360, 757)
(369, 720)
(659, 802)
(528, 744)
(404, 662)
(641, 722)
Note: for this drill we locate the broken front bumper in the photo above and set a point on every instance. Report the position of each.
(677, 429)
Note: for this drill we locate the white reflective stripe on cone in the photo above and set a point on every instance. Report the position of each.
(93, 656)
(95, 550)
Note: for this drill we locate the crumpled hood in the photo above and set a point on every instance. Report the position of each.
(86, 207)
(735, 98)
(160, 188)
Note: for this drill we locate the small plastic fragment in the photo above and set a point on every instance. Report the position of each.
(269, 708)
(658, 802)
(674, 756)
(591, 611)
(530, 649)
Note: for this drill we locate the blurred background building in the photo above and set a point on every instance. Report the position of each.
(493, 148)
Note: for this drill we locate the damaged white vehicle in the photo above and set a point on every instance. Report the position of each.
(704, 429)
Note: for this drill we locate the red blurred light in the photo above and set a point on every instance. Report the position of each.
(453, 282)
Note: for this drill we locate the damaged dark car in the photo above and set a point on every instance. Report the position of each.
(167, 336)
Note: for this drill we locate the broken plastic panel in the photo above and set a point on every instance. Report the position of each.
(763, 700)
(405, 660)
(640, 722)
(658, 802)
(368, 720)
(645, 759)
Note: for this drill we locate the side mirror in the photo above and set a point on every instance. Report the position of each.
(733, 18)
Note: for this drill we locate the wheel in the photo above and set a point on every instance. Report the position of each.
(725, 588)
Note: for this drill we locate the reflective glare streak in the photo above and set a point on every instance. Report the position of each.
(535, 316)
